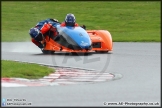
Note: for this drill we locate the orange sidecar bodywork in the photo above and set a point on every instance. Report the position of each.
(101, 37)
(101, 41)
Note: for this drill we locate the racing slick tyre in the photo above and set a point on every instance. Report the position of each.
(86, 53)
(48, 52)
(79, 53)
(101, 51)
(74, 53)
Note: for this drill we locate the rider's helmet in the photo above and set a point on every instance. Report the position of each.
(70, 19)
(35, 33)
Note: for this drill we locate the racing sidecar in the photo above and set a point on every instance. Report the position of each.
(76, 39)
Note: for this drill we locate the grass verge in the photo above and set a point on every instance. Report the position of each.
(24, 70)
(127, 21)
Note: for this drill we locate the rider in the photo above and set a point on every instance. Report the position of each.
(43, 28)
(70, 21)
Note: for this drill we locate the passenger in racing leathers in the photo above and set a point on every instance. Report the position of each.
(70, 21)
(43, 28)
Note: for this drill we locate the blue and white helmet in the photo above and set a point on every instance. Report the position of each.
(34, 32)
(70, 19)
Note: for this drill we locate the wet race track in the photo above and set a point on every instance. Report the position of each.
(129, 75)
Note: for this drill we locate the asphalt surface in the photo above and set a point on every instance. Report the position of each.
(138, 63)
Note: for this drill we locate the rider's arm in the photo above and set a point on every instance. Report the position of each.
(45, 28)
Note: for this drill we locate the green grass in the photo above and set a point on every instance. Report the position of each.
(24, 70)
(126, 21)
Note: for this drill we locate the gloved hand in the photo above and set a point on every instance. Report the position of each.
(84, 27)
(41, 46)
(54, 20)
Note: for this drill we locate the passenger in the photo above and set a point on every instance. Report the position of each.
(43, 28)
